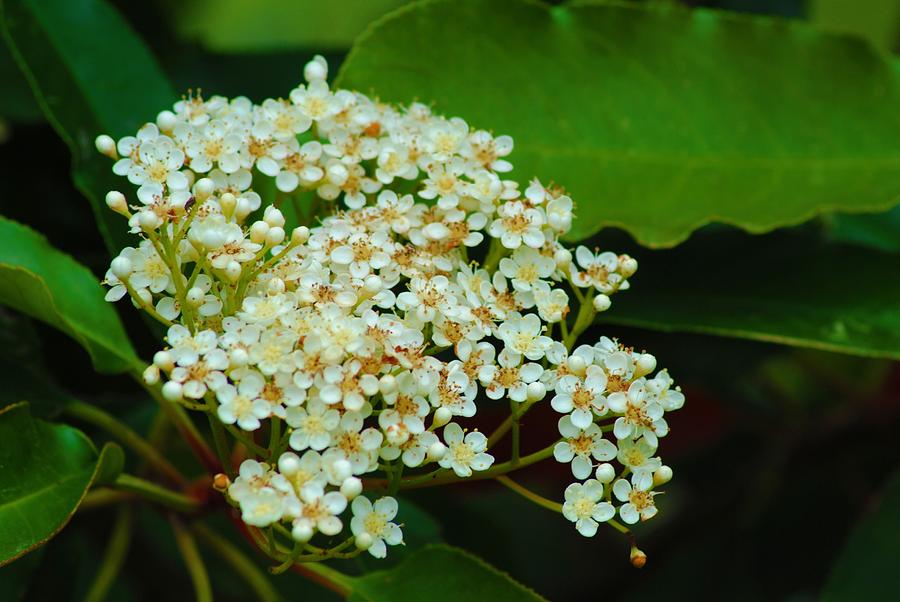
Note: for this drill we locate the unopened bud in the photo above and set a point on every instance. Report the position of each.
(233, 271)
(302, 531)
(171, 391)
(436, 451)
(106, 145)
(163, 359)
(273, 216)
(149, 221)
(535, 391)
(300, 235)
(166, 121)
(228, 202)
(258, 232)
(627, 265)
(275, 286)
(203, 189)
(662, 475)
(289, 463)
(316, 69)
(601, 303)
(373, 284)
(242, 209)
(121, 267)
(351, 487)
(238, 358)
(115, 200)
(441, 417)
(275, 236)
(563, 258)
(576, 364)
(151, 375)
(645, 364)
(341, 470)
(638, 558)
(221, 482)
(364, 541)
(605, 473)
(387, 384)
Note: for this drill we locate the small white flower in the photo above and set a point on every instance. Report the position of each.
(517, 224)
(522, 334)
(241, 404)
(584, 508)
(638, 504)
(465, 454)
(638, 457)
(375, 521)
(583, 399)
(642, 415)
(510, 377)
(580, 446)
(526, 268)
(313, 425)
(319, 511)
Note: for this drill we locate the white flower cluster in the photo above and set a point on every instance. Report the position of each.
(375, 333)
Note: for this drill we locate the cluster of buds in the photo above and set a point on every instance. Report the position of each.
(347, 355)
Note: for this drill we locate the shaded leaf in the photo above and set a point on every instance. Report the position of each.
(866, 569)
(91, 75)
(45, 472)
(877, 231)
(47, 284)
(656, 118)
(438, 573)
(780, 288)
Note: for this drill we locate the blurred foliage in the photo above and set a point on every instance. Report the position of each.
(778, 452)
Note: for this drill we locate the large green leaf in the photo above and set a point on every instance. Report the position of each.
(46, 472)
(440, 573)
(867, 568)
(90, 74)
(266, 25)
(783, 288)
(49, 285)
(656, 118)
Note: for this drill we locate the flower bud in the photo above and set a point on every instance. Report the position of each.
(233, 271)
(238, 358)
(151, 375)
(373, 284)
(387, 384)
(166, 121)
(275, 286)
(275, 236)
(576, 364)
(204, 188)
(115, 200)
(258, 232)
(121, 267)
(149, 221)
(288, 463)
(645, 364)
(341, 470)
(221, 482)
(273, 216)
(638, 558)
(144, 297)
(163, 360)
(535, 391)
(106, 146)
(662, 475)
(601, 302)
(441, 417)
(195, 296)
(605, 473)
(316, 69)
(242, 209)
(171, 391)
(563, 258)
(627, 265)
(302, 531)
(364, 541)
(351, 487)
(300, 235)
(228, 202)
(436, 231)
(436, 451)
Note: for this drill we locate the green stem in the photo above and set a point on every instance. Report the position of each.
(192, 560)
(221, 443)
(446, 476)
(246, 441)
(243, 566)
(326, 576)
(113, 557)
(508, 423)
(530, 495)
(155, 493)
(586, 313)
(274, 436)
(127, 437)
(513, 408)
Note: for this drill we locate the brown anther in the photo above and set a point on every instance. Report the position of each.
(221, 482)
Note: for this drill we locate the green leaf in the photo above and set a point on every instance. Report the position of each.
(867, 567)
(46, 284)
(17, 102)
(91, 75)
(780, 288)
(266, 25)
(656, 118)
(46, 472)
(874, 20)
(877, 231)
(438, 573)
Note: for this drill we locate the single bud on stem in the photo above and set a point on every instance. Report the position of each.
(233, 271)
(602, 302)
(662, 475)
(645, 364)
(166, 121)
(203, 189)
(638, 558)
(563, 258)
(316, 69)
(605, 473)
(299, 235)
(258, 232)
(151, 375)
(436, 451)
(351, 487)
(441, 417)
(163, 360)
(364, 541)
(121, 267)
(171, 391)
(221, 482)
(273, 216)
(275, 236)
(107, 146)
(115, 200)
